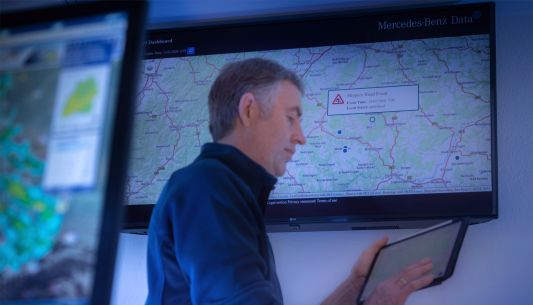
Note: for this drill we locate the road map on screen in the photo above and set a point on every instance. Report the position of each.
(383, 118)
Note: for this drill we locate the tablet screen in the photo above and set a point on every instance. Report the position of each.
(440, 243)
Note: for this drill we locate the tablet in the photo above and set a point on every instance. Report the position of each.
(440, 243)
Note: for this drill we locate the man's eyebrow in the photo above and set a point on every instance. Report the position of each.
(296, 109)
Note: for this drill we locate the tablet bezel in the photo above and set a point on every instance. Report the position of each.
(452, 260)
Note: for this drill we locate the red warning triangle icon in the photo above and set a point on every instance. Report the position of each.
(338, 100)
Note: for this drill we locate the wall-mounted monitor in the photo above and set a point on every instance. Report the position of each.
(399, 114)
(67, 84)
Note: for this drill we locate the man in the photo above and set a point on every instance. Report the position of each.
(207, 242)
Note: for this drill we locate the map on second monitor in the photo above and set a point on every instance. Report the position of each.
(384, 118)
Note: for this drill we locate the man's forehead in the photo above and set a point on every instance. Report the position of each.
(296, 109)
(293, 97)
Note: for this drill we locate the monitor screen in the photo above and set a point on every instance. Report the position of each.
(399, 114)
(63, 89)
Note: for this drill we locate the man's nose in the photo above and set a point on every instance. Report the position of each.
(299, 136)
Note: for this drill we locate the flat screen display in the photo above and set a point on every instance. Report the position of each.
(399, 113)
(61, 76)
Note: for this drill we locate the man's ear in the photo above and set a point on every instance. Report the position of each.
(247, 109)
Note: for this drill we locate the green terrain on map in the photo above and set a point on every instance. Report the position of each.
(81, 100)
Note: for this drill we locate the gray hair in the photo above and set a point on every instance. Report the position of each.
(258, 76)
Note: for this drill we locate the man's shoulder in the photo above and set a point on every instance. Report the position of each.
(203, 173)
(200, 178)
(204, 180)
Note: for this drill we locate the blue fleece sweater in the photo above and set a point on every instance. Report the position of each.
(207, 242)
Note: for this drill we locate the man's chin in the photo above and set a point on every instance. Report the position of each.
(280, 172)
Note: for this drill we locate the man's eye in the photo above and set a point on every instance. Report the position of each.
(291, 119)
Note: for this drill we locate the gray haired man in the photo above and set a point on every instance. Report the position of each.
(207, 241)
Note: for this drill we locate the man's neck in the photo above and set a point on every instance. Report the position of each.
(232, 140)
(240, 141)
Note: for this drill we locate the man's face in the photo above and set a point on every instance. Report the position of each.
(278, 132)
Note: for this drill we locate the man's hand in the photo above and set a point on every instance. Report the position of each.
(362, 266)
(395, 290)
(348, 290)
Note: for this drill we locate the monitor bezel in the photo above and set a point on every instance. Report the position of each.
(111, 213)
(408, 211)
